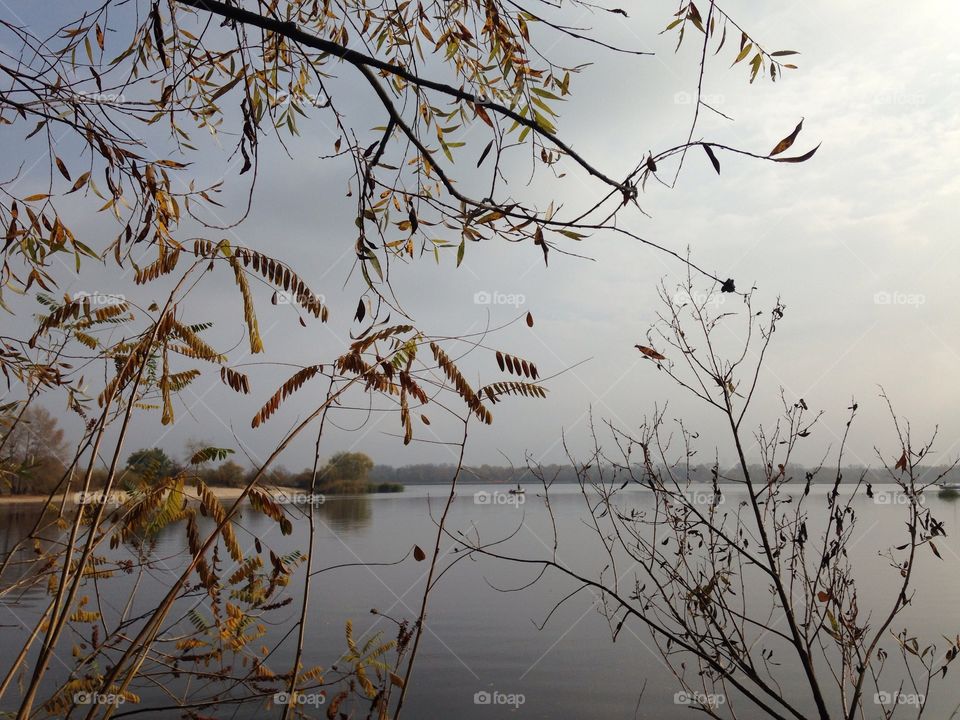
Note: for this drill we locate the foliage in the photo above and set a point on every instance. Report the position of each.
(226, 474)
(132, 103)
(385, 487)
(151, 461)
(346, 472)
(32, 451)
(742, 598)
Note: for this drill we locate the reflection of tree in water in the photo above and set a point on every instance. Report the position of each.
(339, 512)
(346, 513)
(16, 522)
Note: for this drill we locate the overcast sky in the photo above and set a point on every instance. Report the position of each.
(859, 243)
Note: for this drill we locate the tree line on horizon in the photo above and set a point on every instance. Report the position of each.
(35, 456)
(34, 460)
(436, 474)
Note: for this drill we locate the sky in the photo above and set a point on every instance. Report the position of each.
(859, 244)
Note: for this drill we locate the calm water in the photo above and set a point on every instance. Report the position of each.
(481, 638)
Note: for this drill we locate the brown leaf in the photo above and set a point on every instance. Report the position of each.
(798, 158)
(823, 596)
(529, 320)
(158, 35)
(418, 554)
(483, 155)
(650, 352)
(538, 240)
(788, 140)
(482, 114)
(713, 158)
(902, 462)
(62, 168)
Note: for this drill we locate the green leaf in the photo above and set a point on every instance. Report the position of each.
(376, 264)
(743, 53)
(755, 66)
(210, 453)
(446, 150)
(544, 93)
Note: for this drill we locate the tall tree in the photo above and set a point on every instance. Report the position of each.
(34, 451)
(151, 462)
(226, 474)
(346, 472)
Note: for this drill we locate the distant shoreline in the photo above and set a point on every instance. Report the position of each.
(299, 495)
(232, 493)
(120, 496)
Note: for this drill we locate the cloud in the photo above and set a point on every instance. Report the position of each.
(873, 212)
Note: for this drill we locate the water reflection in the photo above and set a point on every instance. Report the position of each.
(346, 513)
(22, 572)
(482, 639)
(16, 521)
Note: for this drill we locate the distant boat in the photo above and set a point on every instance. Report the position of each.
(517, 491)
(951, 486)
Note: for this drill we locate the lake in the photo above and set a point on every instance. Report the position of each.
(483, 636)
